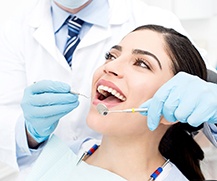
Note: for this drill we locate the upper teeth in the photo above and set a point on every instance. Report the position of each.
(101, 89)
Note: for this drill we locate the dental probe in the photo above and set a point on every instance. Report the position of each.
(103, 110)
(73, 92)
(77, 93)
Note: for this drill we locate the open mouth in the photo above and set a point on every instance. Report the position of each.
(109, 94)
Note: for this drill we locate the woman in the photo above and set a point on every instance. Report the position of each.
(134, 70)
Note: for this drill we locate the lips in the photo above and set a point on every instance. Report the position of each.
(108, 91)
(109, 94)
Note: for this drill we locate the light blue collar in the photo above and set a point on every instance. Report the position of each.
(96, 13)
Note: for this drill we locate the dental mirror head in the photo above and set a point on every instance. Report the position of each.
(102, 109)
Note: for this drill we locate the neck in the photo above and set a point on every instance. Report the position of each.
(131, 158)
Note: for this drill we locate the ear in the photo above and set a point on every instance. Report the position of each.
(165, 122)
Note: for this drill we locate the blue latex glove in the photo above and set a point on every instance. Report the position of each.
(43, 104)
(185, 98)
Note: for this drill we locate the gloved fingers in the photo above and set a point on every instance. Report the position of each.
(41, 124)
(169, 115)
(154, 114)
(151, 117)
(202, 113)
(51, 111)
(192, 103)
(170, 105)
(182, 78)
(165, 101)
(47, 129)
(156, 106)
(145, 105)
(196, 109)
(47, 99)
(183, 111)
(48, 86)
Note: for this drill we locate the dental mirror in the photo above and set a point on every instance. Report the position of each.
(103, 110)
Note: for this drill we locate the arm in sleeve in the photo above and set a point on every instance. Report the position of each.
(210, 130)
(12, 81)
(25, 155)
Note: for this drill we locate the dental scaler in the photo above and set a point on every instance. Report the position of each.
(103, 110)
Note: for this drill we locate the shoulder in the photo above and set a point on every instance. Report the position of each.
(21, 16)
(144, 13)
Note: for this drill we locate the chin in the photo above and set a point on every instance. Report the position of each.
(93, 119)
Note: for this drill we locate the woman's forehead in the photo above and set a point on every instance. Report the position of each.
(143, 38)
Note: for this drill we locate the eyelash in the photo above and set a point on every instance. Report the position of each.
(138, 61)
(109, 56)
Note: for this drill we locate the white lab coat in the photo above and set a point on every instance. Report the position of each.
(28, 54)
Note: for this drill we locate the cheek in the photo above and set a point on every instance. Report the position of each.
(145, 92)
(147, 87)
(98, 72)
(96, 76)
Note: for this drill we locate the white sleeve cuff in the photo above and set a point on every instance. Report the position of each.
(210, 130)
(22, 148)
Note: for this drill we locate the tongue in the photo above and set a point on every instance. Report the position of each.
(111, 99)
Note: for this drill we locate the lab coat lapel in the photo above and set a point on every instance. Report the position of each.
(94, 35)
(44, 35)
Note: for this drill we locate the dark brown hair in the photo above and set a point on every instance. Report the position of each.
(178, 143)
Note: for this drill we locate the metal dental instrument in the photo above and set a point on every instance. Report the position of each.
(103, 110)
(77, 93)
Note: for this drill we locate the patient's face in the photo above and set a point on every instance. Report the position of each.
(133, 72)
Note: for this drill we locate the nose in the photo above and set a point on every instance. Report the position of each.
(115, 68)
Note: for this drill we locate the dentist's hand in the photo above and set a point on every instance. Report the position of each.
(185, 98)
(43, 104)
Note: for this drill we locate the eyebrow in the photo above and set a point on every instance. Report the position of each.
(117, 47)
(139, 51)
(143, 52)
